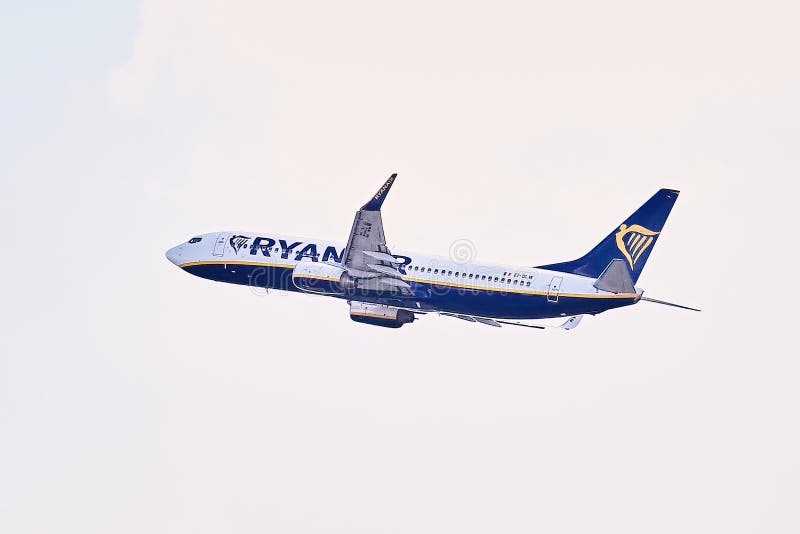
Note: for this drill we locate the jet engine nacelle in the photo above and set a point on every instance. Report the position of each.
(379, 315)
(321, 278)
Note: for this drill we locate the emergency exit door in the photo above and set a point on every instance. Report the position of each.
(554, 288)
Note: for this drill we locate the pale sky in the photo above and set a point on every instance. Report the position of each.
(137, 398)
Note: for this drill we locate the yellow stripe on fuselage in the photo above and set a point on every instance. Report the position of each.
(217, 262)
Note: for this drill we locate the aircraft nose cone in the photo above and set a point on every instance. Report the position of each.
(174, 255)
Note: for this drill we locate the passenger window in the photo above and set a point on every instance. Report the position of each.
(502, 280)
(495, 278)
(470, 276)
(436, 271)
(449, 273)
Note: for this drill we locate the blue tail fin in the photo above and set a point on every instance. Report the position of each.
(631, 242)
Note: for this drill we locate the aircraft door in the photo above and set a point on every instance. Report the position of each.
(554, 288)
(219, 244)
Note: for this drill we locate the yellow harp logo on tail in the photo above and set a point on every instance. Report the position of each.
(633, 240)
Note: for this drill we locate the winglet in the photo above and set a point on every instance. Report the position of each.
(376, 202)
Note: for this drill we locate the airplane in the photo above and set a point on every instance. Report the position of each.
(391, 289)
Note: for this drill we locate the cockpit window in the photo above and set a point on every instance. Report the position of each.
(195, 240)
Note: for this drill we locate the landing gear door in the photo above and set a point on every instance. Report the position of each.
(219, 244)
(554, 288)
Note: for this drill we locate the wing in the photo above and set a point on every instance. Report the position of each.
(366, 256)
(569, 324)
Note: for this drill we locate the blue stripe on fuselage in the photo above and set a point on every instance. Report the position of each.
(430, 296)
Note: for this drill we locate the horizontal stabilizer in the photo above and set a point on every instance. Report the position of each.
(665, 303)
